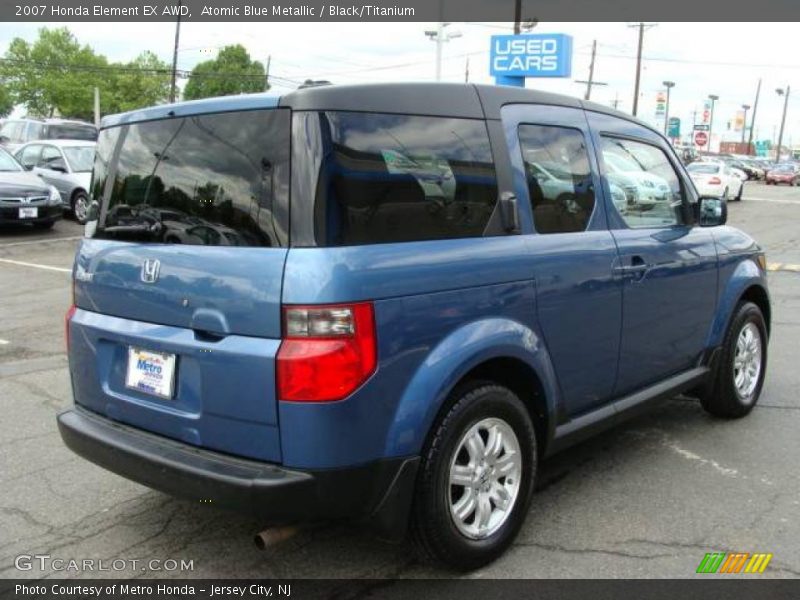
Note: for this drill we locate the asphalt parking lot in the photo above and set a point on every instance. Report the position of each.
(647, 499)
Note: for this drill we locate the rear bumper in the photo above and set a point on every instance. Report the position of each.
(380, 491)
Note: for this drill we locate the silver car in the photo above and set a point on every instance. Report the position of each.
(64, 164)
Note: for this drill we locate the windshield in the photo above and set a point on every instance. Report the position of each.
(72, 132)
(707, 169)
(80, 158)
(8, 162)
(193, 180)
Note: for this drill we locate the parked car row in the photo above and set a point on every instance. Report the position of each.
(784, 173)
(45, 169)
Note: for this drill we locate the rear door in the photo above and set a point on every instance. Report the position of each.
(150, 296)
(571, 252)
(668, 267)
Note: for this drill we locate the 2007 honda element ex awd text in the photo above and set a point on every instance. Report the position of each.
(387, 303)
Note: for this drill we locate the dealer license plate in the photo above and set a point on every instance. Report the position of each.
(151, 372)
(29, 212)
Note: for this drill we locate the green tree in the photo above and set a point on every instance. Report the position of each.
(6, 101)
(56, 75)
(232, 72)
(142, 82)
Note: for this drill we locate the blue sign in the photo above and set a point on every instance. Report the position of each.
(531, 55)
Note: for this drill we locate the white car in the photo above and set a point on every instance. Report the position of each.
(650, 188)
(716, 179)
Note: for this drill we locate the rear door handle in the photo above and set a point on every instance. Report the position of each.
(635, 270)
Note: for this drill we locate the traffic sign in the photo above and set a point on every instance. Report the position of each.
(700, 138)
(700, 127)
(706, 116)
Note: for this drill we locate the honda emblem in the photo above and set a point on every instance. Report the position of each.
(150, 270)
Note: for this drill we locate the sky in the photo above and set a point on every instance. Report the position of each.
(725, 59)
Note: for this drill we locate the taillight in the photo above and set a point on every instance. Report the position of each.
(327, 351)
(714, 181)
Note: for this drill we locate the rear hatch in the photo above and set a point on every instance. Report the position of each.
(178, 291)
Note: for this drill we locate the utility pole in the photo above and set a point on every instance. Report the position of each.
(591, 82)
(266, 73)
(175, 54)
(785, 95)
(641, 27)
(466, 72)
(96, 106)
(753, 118)
(615, 102)
(517, 16)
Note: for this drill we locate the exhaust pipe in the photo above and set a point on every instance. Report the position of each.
(273, 536)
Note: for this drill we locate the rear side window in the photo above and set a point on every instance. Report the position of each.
(559, 178)
(401, 178)
(215, 179)
(71, 132)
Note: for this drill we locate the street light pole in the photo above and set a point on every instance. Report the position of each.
(713, 98)
(745, 108)
(669, 85)
(440, 36)
(783, 120)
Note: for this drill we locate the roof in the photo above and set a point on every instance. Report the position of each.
(462, 100)
(61, 143)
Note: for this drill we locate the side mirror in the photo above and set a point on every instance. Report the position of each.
(711, 211)
(58, 165)
(509, 212)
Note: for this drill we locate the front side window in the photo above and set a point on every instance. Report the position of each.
(401, 178)
(559, 178)
(213, 179)
(51, 156)
(645, 189)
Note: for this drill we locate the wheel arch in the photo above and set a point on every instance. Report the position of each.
(500, 350)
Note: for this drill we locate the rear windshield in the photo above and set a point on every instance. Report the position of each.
(400, 178)
(71, 132)
(215, 180)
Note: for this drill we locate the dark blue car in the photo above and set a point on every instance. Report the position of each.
(388, 303)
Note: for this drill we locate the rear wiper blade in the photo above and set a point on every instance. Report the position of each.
(130, 230)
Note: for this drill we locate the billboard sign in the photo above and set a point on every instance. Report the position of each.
(661, 103)
(531, 55)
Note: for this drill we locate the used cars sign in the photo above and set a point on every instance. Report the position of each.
(531, 55)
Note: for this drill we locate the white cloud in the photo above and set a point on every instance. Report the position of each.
(702, 58)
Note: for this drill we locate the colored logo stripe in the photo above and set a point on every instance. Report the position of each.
(733, 562)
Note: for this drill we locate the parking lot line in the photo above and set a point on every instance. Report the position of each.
(783, 267)
(41, 241)
(19, 263)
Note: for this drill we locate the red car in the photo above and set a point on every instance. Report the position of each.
(783, 174)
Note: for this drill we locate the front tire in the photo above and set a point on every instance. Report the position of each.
(476, 479)
(739, 374)
(80, 207)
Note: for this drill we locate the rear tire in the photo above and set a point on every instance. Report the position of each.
(476, 479)
(741, 367)
(739, 195)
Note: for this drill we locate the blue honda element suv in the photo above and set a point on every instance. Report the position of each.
(387, 303)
